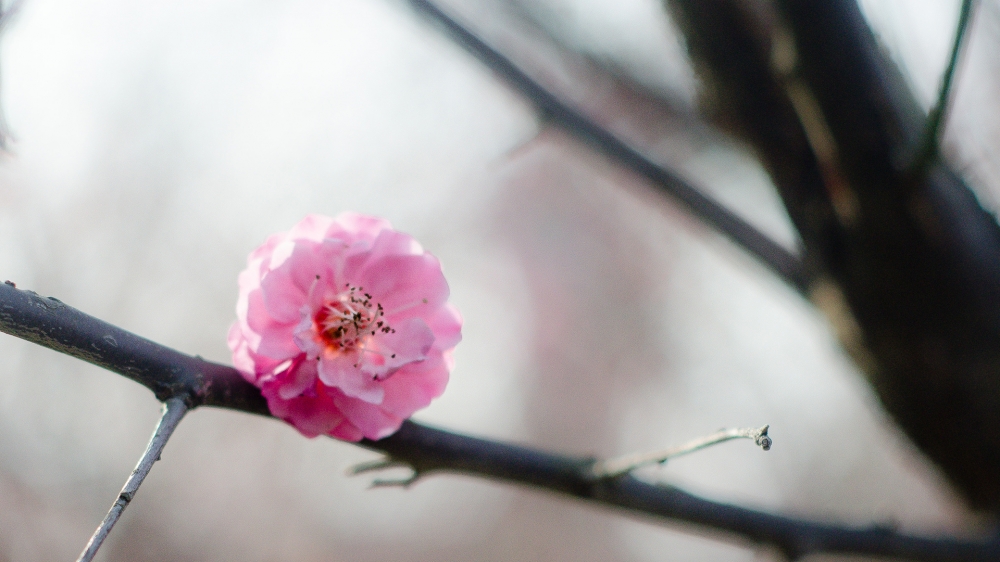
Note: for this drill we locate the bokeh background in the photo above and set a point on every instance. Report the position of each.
(155, 144)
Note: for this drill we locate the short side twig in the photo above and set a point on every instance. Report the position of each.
(173, 410)
(386, 463)
(378, 464)
(617, 466)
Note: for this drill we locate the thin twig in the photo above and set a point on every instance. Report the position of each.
(779, 260)
(425, 449)
(173, 411)
(930, 139)
(386, 463)
(617, 466)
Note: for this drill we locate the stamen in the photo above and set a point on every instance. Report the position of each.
(347, 322)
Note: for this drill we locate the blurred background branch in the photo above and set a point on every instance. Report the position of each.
(907, 267)
(779, 260)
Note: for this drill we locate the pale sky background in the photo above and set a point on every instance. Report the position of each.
(156, 144)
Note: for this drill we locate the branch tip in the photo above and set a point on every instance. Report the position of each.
(762, 439)
(618, 466)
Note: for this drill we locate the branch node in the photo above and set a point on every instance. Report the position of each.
(394, 483)
(378, 464)
(383, 464)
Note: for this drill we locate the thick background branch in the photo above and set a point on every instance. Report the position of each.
(169, 373)
(915, 257)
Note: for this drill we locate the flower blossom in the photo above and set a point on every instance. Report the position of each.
(344, 325)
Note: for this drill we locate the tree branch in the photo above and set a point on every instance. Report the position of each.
(173, 411)
(920, 266)
(912, 260)
(174, 375)
(779, 260)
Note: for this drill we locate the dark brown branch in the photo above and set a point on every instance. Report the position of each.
(171, 374)
(920, 267)
(168, 373)
(428, 450)
(734, 57)
(914, 260)
(779, 260)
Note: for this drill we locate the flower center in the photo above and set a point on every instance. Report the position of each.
(346, 322)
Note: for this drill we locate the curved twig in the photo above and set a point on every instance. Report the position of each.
(610, 468)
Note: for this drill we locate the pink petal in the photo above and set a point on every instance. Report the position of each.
(272, 339)
(358, 226)
(312, 416)
(339, 372)
(242, 359)
(405, 286)
(391, 243)
(297, 378)
(286, 287)
(373, 422)
(282, 297)
(414, 386)
(312, 227)
(346, 431)
(305, 337)
(267, 247)
(447, 327)
(410, 342)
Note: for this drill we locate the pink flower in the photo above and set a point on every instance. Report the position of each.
(344, 325)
